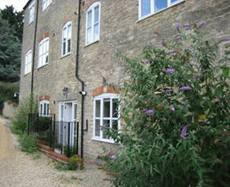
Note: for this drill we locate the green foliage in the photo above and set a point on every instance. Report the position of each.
(10, 53)
(7, 91)
(20, 121)
(177, 114)
(28, 143)
(15, 20)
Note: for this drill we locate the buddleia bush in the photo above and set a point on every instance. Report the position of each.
(177, 114)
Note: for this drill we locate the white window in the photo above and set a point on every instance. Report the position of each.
(66, 38)
(148, 7)
(44, 109)
(28, 62)
(31, 12)
(43, 53)
(93, 23)
(45, 4)
(106, 116)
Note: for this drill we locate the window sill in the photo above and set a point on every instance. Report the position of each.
(91, 43)
(25, 74)
(68, 54)
(43, 66)
(152, 14)
(102, 140)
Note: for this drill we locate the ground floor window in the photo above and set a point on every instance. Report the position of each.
(44, 109)
(106, 116)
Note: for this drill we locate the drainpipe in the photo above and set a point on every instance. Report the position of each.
(80, 80)
(34, 48)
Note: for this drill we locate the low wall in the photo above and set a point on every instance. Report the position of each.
(9, 109)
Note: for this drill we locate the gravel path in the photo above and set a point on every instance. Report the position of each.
(20, 170)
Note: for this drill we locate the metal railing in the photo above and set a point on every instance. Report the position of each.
(60, 135)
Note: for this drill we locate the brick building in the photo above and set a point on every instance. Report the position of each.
(69, 49)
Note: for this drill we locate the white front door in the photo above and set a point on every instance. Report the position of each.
(67, 118)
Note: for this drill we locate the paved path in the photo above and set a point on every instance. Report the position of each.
(20, 170)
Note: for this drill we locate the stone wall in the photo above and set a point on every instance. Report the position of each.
(120, 30)
(9, 109)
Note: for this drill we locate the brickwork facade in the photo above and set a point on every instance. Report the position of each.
(120, 30)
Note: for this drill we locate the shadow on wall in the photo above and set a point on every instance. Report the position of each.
(9, 109)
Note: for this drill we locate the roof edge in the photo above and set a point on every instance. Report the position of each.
(27, 4)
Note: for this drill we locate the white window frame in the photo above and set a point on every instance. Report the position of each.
(92, 9)
(43, 54)
(101, 118)
(43, 105)
(45, 4)
(28, 62)
(66, 39)
(152, 11)
(32, 12)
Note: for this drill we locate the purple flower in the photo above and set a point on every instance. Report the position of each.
(178, 25)
(170, 70)
(185, 88)
(146, 111)
(178, 37)
(225, 40)
(184, 132)
(201, 24)
(172, 108)
(169, 91)
(146, 61)
(186, 25)
(172, 51)
(160, 44)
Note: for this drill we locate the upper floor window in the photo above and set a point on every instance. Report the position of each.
(106, 116)
(93, 23)
(66, 38)
(28, 62)
(43, 54)
(44, 108)
(148, 7)
(45, 4)
(31, 12)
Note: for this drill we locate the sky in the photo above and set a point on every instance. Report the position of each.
(18, 4)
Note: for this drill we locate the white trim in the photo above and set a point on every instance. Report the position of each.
(68, 37)
(169, 2)
(31, 12)
(41, 54)
(28, 62)
(92, 9)
(42, 104)
(45, 4)
(101, 118)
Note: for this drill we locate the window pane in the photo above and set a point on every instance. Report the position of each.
(97, 128)
(106, 107)
(96, 31)
(64, 48)
(98, 108)
(96, 14)
(48, 109)
(145, 7)
(44, 111)
(106, 126)
(69, 46)
(115, 108)
(160, 4)
(40, 108)
(89, 22)
(115, 125)
(89, 35)
(62, 111)
(75, 112)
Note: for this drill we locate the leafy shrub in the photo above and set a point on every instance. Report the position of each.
(75, 162)
(7, 91)
(177, 114)
(28, 143)
(20, 121)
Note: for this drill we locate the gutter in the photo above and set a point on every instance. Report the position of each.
(80, 80)
(34, 49)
